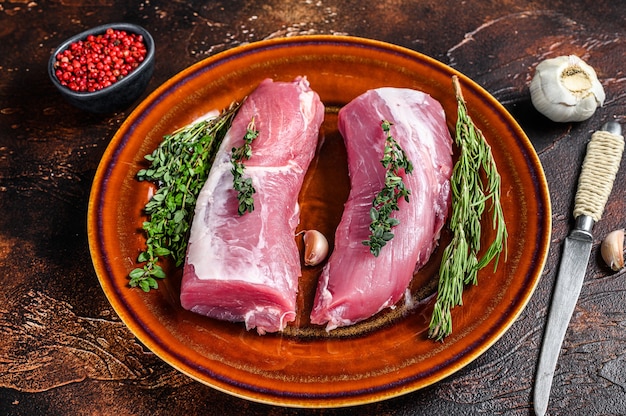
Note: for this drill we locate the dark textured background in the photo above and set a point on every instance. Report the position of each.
(62, 348)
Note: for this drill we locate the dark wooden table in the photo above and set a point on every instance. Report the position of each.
(63, 350)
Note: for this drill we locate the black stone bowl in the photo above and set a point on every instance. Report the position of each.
(122, 93)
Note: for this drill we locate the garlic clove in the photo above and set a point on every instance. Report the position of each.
(612, 249)
(566, 89)
(315, 247)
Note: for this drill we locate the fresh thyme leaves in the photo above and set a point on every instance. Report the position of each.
(179, 167)
(243, 186)
(471, 191)
(394, 160)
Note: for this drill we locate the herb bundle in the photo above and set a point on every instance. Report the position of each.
(243, 186)
(179, 167)
(471, 191)
(394, 160)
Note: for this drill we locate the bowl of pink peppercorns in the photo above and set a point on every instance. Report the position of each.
(104, 69)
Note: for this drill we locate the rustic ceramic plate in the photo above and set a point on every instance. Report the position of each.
(388, 355)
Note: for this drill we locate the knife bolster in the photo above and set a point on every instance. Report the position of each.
(584, 223)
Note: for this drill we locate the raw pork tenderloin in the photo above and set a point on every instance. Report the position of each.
(354, 284)
(246, 268)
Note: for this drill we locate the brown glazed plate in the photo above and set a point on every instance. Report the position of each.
(384, 357)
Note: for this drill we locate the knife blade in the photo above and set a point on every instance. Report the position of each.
(602, 160)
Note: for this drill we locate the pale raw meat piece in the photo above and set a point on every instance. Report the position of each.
(246, 268)
(354, 284)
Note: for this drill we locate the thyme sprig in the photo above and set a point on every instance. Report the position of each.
(475, 185)
(243, 186)
(179, 167)
(386, 201)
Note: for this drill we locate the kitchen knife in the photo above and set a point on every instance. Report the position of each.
(604, 153)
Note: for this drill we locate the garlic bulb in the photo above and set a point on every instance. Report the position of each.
(612, 249)
(566, 89)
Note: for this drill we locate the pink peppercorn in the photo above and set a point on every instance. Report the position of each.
(99, 60)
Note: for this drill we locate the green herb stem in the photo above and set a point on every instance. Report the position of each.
(179, 167)
(243, 186)
(475, 186)
(386, 201)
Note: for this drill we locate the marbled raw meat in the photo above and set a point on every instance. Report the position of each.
(354, 284)
(246, 268)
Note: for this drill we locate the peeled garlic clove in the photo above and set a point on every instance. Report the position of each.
(612, 249)
(315, 247)
(566, 89)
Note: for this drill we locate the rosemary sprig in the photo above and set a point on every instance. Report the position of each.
(243, 186)
(394, 160)
(471, 191)
(179, 167)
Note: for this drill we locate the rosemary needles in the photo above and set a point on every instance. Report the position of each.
(475, 186)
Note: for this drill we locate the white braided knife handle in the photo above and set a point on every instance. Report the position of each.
(604, 153)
